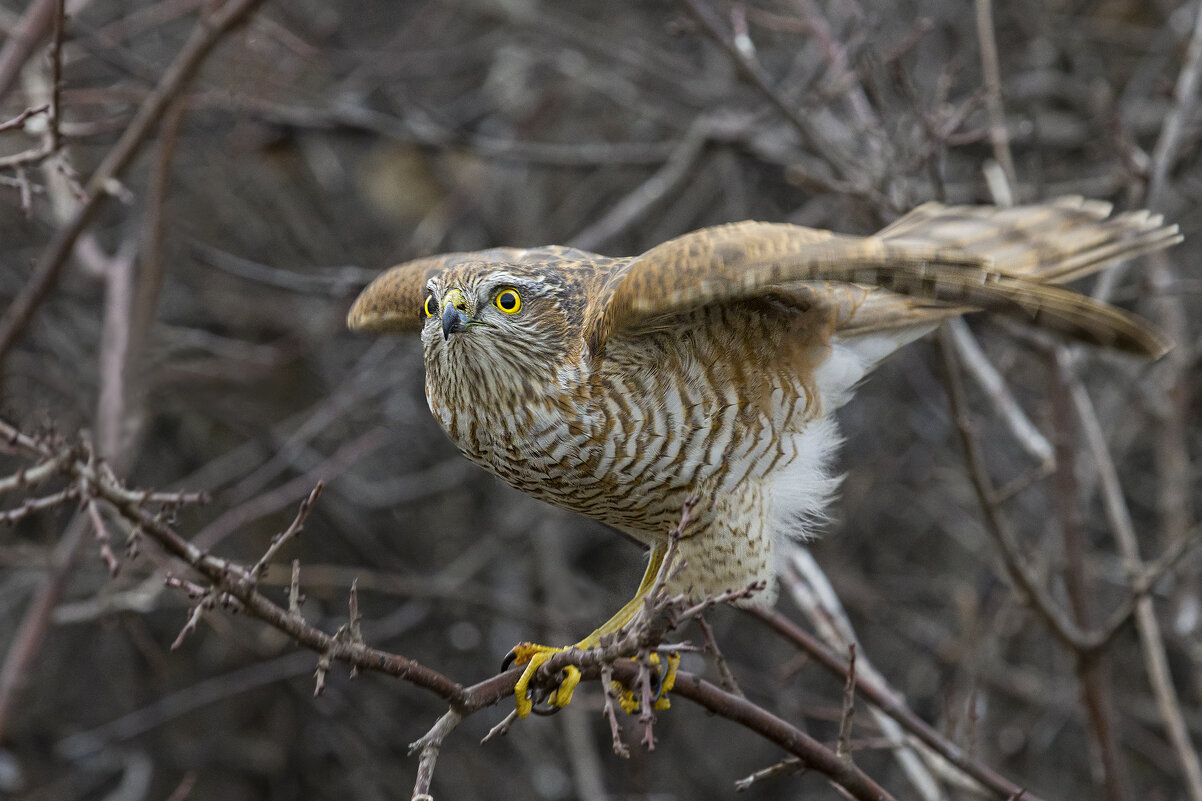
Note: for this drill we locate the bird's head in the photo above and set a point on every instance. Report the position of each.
(500, 329)
(496, 322)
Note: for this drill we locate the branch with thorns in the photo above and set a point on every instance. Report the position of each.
(624, 658)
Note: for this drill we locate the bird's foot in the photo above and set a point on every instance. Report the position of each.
(662, 681)
(533, 656)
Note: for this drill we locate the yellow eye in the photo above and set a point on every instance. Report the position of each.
(508, 301)
(430, 306)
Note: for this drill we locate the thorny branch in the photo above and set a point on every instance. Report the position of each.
(234, 586)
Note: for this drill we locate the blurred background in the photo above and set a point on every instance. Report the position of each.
(197, 338)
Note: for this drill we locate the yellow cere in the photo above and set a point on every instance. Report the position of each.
(508, 301)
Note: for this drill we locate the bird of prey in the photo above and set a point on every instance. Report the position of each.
(711, 365)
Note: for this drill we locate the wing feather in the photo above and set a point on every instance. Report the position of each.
(914, 257)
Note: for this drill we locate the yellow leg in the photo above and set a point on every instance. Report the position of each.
(533, 655)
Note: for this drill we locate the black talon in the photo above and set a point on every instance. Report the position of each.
(508, 660)
(540, 698)
(657, 680)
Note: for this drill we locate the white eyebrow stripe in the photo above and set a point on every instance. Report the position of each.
(503, 277)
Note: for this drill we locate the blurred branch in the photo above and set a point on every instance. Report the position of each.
(813, 754)
(663, 182)
(1093, 672)
(807, 584)
(998, 136)
(20, 120)
(991, 382)
(886, 700)
(1185, 96)
(33, 26)
(274, 500)
(1155, 657)
(208, 31)
(1032, 592)
(744, 59)
(336, 282)
(27, 643)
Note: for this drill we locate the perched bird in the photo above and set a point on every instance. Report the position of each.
(711, 365)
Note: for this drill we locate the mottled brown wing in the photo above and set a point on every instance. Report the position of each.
(393, 302)
(1055, 242)
(743, 260)
(1052, 243)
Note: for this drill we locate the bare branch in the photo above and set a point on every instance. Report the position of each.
(429, 746)
(208, 31)
(20, 120)
(1185, 95)
(998, 136)
(607, 681)
(849, 706)
(1155, 657)
(102, 538)
(294, 529)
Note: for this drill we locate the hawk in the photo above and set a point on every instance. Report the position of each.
(711, 366)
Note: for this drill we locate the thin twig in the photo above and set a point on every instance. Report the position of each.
(294, 529)
(998, 136)
(810, 588)
(31, 505)
(208, 31)
(1185, 95)
(20, 120)
(1155, 657)
(1032, 592)
(429, 745)
(1097, 690)
(27, 642)
(102, 538)
(501, 728)
(193, 618)
(724, 672)
(607, 680)
(843, 749)
(989, 380)
(294, 593)
(884, 699)
(783, 768)
(663, 182)
(816, 756)
(56, 76)
(30, 476)
(22, 39)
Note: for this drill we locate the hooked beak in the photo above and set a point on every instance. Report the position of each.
(454, 314)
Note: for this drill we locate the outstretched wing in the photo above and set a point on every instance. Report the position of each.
(935, 272)
(1053, 242)
(393, 302)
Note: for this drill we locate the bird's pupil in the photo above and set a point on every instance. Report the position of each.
(507, 300)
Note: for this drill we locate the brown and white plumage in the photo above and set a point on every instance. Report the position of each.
(711, 364)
